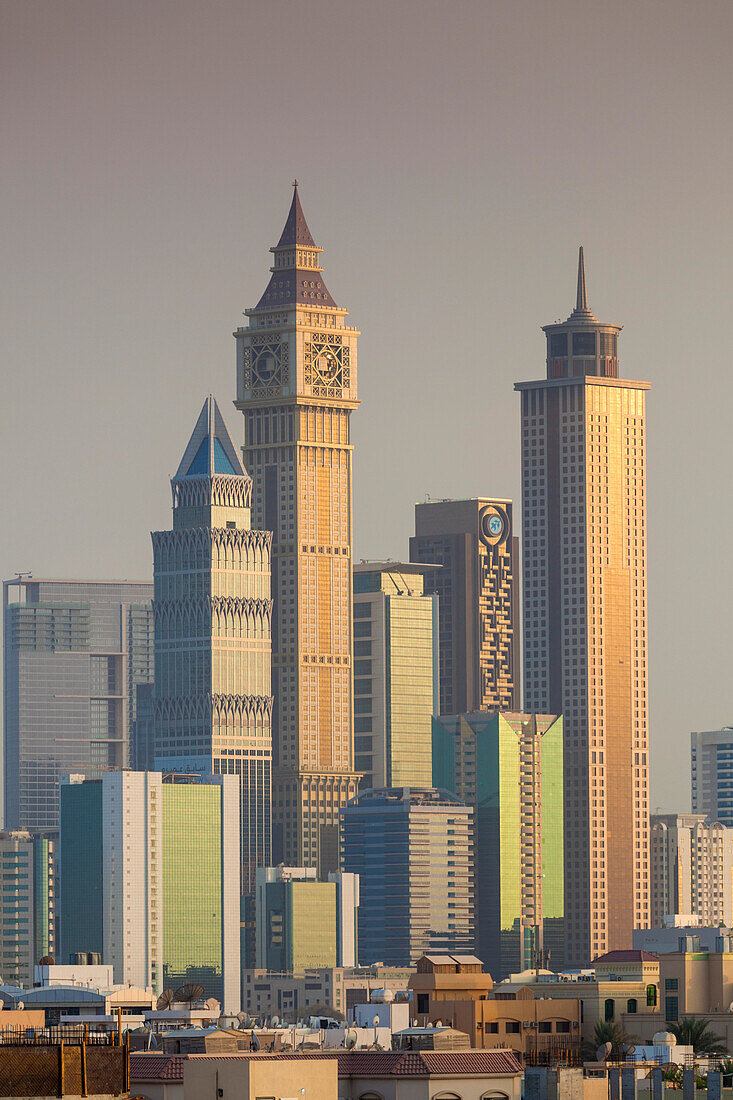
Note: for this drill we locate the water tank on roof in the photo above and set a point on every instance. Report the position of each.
(663, 1038)
(381, 996)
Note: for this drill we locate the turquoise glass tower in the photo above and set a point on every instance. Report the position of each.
(509, 767)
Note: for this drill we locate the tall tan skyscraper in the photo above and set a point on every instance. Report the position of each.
(585, 632)
(296, 386)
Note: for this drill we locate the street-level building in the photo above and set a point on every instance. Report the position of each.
(212, 701)
(509, 767)
(585, 617)
(266, 993)
(74, 655)
(413, 850)
(395, 674)
(296, 389)
(477, 586)
(151, 878)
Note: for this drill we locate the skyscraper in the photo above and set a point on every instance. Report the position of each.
(691, 870)
(28, 900)
(509, 767)
(585, 616)
(712, 774)
(212, 702)
(296, 387)
(478, 591)
(150, 878)
(412, 849)
(74, 655)
(395, 674)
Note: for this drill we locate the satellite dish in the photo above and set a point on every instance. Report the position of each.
(189, 993)
(376, 1022)
(20, 1005)
(212, 1004)
(165, 1000)
(603, 1052)
(255, 1043)
(275, 1021)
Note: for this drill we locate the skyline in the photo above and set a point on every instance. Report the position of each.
(140, 179)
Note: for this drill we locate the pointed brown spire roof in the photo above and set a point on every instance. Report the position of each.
(296, 275)
(296, 231)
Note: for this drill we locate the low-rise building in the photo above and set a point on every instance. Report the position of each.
(622, 982)
(265, 993)
(329, 1075)
(683, 936)
(455, 990)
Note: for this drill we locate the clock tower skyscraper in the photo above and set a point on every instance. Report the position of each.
(296, 388)
(585, 617)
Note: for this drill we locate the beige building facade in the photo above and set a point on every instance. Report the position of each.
(691, 870)
(585, 641)
(296, 389)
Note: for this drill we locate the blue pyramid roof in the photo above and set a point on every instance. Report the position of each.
(210, 449)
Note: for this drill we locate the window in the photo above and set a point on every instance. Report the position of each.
(671, 1009)
(491, 1028)
(512, 1027)
(631, 1004)
(671, 985)
(544, 1027)
(609, 1009)
(651, 996)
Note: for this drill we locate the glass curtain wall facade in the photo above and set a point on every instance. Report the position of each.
(75, 653)
(509, 767)
(395, 675)
(413, 851)
(151, 878)
(712, 774)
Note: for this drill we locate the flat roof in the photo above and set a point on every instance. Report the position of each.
(394, 567)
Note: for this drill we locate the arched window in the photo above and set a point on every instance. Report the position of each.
(651, 996)
(445, 1096)
(494, 1096)
(609, 1009)
(371, 1096)
(631, 1004)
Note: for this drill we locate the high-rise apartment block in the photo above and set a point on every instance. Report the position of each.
(296, 389)
(585, 617)
(509, 767)
(712, 774)
(395, 674)
(478, 590)
(691, 870)
(27, 896)
(412, 849)
(151, 878)
(303, 923)
(212, 703)
(74, 654)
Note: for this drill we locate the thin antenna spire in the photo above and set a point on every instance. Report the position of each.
(581, 301)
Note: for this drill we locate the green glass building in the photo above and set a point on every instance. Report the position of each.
(395, 674)
(509, 767)
(27, 888)
(151, 878)
(296, 920)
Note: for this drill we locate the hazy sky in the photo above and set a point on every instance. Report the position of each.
(451, 157)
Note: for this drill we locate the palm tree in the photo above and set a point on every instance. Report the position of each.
(696, 1033)
(608, 1031)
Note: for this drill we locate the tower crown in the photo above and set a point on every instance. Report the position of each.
(210, 474)
(582, 345)
(296, 271)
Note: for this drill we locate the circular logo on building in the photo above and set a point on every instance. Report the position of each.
(493, 525)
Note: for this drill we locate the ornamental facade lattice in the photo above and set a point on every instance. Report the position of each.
(212, 705)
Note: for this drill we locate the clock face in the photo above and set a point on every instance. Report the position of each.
(266, 365)
(327, 366)
(495, 525)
